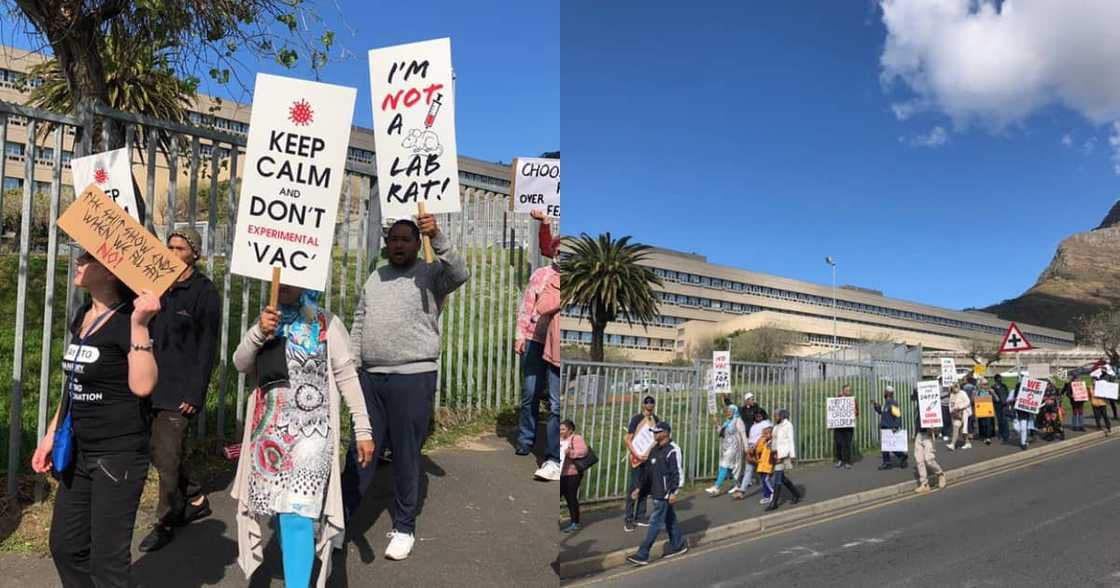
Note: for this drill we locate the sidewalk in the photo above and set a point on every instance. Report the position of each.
(483, 522)
(603, 533)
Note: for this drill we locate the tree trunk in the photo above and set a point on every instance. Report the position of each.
(597, 341)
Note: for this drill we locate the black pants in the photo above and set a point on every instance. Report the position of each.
(842, 444)
(987, 427)
(569, 489)
(94, 515)
(639, 480)
(1001, 420)
(400, 409)
(1100, 413)
(169, 450)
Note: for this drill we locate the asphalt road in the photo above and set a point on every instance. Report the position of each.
(1048, 524)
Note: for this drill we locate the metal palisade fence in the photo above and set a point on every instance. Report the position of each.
(193, 171)
(601, 398)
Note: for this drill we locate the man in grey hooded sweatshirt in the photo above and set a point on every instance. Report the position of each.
(396, 333)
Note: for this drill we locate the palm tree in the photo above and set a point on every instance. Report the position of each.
(603, 275)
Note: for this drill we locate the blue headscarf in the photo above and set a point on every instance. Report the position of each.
(300, 323)
(731, 420)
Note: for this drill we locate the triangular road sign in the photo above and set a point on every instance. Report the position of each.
(1014, 340)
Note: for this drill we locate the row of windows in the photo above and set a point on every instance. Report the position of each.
(205, 149)
(43, 155)
(628, 341)
(360, 155)
(662, 320)
(11, 183)
(781, 294)
(235, 127)
(15, 80)
(483, 179)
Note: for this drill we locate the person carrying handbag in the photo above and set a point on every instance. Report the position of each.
(577, 458)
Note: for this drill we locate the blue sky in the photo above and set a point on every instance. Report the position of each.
(506, 57)
(761, 135)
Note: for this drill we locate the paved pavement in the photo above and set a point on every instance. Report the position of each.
(484, 522)
(1052, 523)
(603, 532)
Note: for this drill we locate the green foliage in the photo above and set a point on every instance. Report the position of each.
(765, 344)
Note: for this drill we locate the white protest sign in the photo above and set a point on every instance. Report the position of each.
(1030, 395)
(295, 163)
(841, 413)
(643, 440)
(1080, 391)
(1103, 389)
(536, 185)
(721, 371)
(948, 371)
(110, 171)
(892, 441)
(929, 404)
(414, 128)
(1038, 370)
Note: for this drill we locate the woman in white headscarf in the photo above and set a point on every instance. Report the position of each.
(732, 447)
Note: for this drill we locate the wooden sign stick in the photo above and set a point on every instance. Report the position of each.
(274, 294)
(428, 255)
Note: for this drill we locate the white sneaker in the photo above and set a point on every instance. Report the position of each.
(549, 471)
(400, 545)
(712, 491)
(950, 448)
(967, 446)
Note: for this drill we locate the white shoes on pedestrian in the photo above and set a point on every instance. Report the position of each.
(950, 448)
(549, 471)
(400, 545)
(712, 491)
(967, 446)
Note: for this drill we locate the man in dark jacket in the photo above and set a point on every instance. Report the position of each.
(666, 465)
(890, 419)
(999, 395)
(185, 340)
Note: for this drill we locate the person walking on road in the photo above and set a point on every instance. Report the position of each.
(784, 454)
(1100, 412)
(732, 447)
(890, 419)
(999, 397)
(946, 414)
(761, 423)
(1076, 406)
(1023, 419)
(185, 333)
(960, 408)
(638, 488)
(842, 436)
(986, 425)
(765, 463)
(667, 472)
(925, 451)
(572, 447)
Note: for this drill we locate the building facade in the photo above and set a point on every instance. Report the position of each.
(700, 300)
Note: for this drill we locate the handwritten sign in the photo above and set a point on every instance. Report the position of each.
(721, 371)
(1029, 398)
(1039, 371)
(414, 128)
(111, 171)
(841, 412)
(929, 404)
(985, 408)
(1104, 389)
(1080, 391)
(120, 243)
(643, 440)
(892, 441)
(295, 163)
(536, 185)
(948, 371)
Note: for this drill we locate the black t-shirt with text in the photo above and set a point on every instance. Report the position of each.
(107, 416)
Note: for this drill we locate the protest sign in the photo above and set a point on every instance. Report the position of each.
(892, 441)
(1039, 371)
(536, 185)
(979, 370)
(1103, 389)
(721, 371)
(929, 404)
(414, 128)
(948, 371)
(111, 172)
(841, 413)
(1030, 395)
(120, 243)
(643, 440)
(984, 407)
(709, 377)
(295, 163)
(1080, 391)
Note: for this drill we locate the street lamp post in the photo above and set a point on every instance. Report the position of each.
(832, 262)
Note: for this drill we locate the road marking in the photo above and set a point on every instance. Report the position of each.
(727, 544)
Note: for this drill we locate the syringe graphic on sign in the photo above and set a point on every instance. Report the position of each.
(426, 141)
(433, 110)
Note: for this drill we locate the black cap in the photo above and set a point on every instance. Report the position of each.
(662, 426)
(649, 400)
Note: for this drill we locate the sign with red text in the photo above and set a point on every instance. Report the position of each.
(1029, 398)
(1080, 391)
(295, 164)
(929, 404)
(120, 243)
(721, 371)
(414, 128)
(111, 172)
(536, 185)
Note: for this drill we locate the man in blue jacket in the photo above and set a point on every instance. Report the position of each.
(666, 470)
(890, 419)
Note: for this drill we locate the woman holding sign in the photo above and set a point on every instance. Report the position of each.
(1099, 411)
(732, 447)
(289, 465)
(110, 371)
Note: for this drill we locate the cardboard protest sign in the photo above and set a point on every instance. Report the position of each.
(948, 371)
(111, 172)
(414, 128)
(1103, 389)
(985, 408)
(643, 440)
(721, 371)
(979, 370)
(535, 185)
(841, 412)
(892, 441)
(929, 404)
(1040, 371)
(1080, 391)
(120, 243)
(1030, 395)
(295, 163)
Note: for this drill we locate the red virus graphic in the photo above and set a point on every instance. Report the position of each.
(300, 113)
(100, 175)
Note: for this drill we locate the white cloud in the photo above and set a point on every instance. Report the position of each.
(1067, 139)
(1089, 146)
(1114, 142)
(936, 137)
(979, 62)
